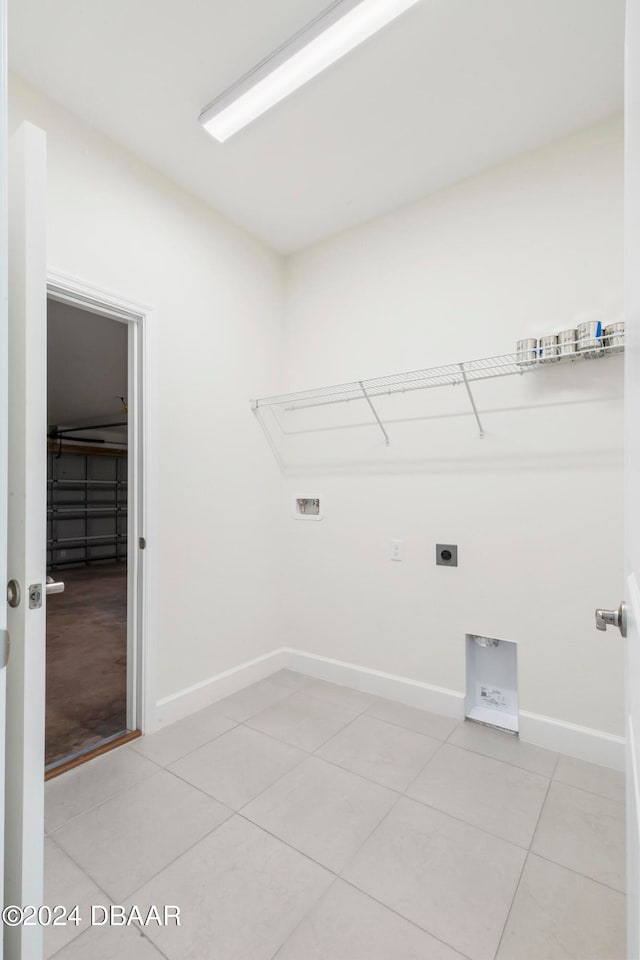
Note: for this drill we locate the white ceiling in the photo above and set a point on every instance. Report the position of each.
(86, 367)
(448, 89)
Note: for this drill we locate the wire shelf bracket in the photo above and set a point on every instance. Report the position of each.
(375, 413)
(473, 403)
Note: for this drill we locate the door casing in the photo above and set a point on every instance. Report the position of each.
(141, 563)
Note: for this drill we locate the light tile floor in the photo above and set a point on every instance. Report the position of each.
(300, 820)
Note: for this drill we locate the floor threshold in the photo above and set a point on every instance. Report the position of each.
(95, 750)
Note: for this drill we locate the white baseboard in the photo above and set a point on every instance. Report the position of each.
(581, 742)
(449, 703)
(584, 743)
(203, 694)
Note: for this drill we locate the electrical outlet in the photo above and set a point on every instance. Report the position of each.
(397, 549)
(446, 554)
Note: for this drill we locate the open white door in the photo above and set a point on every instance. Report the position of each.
(26, 565)
(632, 443)
(4, 412)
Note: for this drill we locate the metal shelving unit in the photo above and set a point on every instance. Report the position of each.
(86, 515)
(448, 375)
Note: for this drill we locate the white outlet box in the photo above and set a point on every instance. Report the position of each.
(397, 550)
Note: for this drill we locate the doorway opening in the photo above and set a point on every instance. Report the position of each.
(92, 573)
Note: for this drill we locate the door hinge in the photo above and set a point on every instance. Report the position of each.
(142, 543)
(5, 647)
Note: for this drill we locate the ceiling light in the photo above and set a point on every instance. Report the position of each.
(340, 28)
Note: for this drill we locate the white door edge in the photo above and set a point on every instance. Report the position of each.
(633, 611)
(4, 404)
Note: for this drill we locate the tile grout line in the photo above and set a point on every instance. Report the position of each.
(375, 783)
(84, 872)
(290, 693)
(332, 763)
(368, 711)
(473, 826)
(288, 844)
(226, 804)
(288, 743)
(509, 763)
(584, 876)
(402, 726)
(413, 923)
(385, 906)
(307, 756)
(394, 726)
(111, 796)
(307, 856)
(365, 711)
(524, 864)
(315, 753)
(232, 812)
(128, 896)
(310, 910)
(287, 696)
(398, 796)
(591, 793)
(423, 768)
(342, 686)
(349, 723)
(367, 894)
(308, 753)
(160, 766)
(182, 853)
(399, 793)
(366, 840)
(216, 736)
(246, 819)
(108, 898)
(428, 713)
(155, 946)
(504, 763)
(86, 933)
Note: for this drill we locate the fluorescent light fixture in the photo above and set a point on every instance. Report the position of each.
(340, 28)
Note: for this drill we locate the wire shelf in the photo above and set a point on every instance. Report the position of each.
(451, 374)
(466, 372)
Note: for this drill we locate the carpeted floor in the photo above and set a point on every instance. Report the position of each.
(86, 659)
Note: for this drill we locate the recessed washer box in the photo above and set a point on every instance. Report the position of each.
(307, 508)
(492, 681)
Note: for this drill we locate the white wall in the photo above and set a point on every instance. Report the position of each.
(536, 507)
(115, 223)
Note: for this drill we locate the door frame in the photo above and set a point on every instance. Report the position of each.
(141, 563)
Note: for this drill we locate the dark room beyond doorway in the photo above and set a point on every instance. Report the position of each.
(87, 476)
